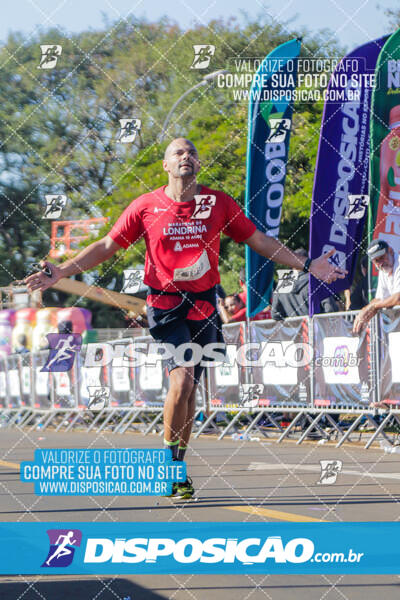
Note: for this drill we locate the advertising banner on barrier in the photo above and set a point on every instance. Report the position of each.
(212, 548)
(3, 383)
(283, 353)
(151, 381)
(342, 167)
(225, 379)
(269, 126)
(42, 381)
(389, 349)
(14, 382)
(342, 363)
(25, 378)
(122, 375)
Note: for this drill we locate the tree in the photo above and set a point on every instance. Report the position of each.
(59, 130)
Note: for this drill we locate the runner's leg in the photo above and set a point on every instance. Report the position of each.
(184, 434)
(178, 400)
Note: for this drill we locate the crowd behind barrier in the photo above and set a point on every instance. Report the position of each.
(311, 369)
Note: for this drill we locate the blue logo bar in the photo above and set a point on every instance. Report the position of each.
(212, 548)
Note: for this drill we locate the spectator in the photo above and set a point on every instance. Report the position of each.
(65, 327)
(22, 344)
(233, 309)
(295, 303)
(359, 296)
(388, 290)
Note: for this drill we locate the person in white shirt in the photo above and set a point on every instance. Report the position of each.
(388, 290)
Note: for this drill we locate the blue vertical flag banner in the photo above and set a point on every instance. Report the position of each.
(269, 126)
(340, 194)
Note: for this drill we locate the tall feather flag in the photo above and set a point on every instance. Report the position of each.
(340, 193)
(384, 191)
(269, 126)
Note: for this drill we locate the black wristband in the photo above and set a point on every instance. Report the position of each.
(307, 264)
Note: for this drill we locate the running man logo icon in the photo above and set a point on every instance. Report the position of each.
(98, 397)
(342, 353)
(330, 469)
(204, 204)
(63, 543)
(50, 54)
(338, 258)
(357, 206)
(279, 129)
(202, 55)
(250, 394)
(286, 280)
(129, 129)
(54, 205)
(63, 347)
(132, 280)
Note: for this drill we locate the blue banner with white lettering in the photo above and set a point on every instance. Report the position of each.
(212, 548)
(269, 126)
(103, 472)
(340, 194)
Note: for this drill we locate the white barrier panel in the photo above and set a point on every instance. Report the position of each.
(389, 346)
(3, 383)
(41, 382)
(121, 375)
(343, 375)
(151, 378)
(283, 373)
(225, 379)
(13, 381)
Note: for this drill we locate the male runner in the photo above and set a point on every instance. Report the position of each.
(181, 224)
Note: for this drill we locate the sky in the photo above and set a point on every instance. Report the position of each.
(353, 21)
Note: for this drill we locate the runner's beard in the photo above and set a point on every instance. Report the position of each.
(189, 172)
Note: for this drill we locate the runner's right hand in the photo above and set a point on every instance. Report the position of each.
(41, 281)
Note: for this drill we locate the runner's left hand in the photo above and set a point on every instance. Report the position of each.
(322, 269)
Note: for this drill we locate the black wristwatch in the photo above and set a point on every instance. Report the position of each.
(307, 264)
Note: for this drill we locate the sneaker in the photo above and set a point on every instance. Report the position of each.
(184, 490)
(174, 489)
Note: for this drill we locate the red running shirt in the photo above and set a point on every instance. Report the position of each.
(182, 238)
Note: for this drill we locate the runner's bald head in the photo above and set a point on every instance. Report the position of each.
(177, 142)
(181, 160)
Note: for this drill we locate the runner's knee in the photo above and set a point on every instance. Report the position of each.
(182, 381)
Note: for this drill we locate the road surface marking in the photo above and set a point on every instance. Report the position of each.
(11, 465)
(260, 466)
(275, 514)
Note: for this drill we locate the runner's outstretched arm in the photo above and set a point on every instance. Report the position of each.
(271, 248)
(88, 258)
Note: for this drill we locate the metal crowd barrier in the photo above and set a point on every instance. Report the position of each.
(62, 399)
(312, 369)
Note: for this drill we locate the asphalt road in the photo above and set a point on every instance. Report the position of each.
(235, 481)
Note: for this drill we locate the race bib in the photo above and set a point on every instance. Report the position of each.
(196, 271)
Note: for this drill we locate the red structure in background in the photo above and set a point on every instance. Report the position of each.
(67, 235)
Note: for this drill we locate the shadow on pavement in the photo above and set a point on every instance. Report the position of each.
(99, 587)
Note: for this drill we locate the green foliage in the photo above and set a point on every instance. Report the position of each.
(59, 131)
